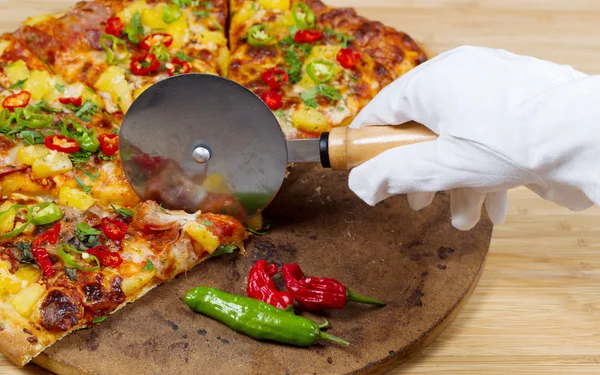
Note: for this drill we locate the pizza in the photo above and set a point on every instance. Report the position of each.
(315, 66)
(76, 242)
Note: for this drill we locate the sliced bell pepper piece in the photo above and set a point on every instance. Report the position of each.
(46, 213)
(260, 35)
(62, 143)
(320, 71)
(114, 229)
(109, 143)
(303, 16)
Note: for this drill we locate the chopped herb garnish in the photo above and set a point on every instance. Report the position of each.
(80, 157)
(207, 223)
(84, 231)
(135, 30)
(92, 176)
(60, 88)
(294, 69)
(149, 266)
(340, 109)
(31, 137)
(25, 253)
(224, 249)
(71, 273)
(17, 85)
(99, 319)
(260, 233)
(310, 96)
(342, 38)
(183, 57)
(103, 156)
(87, 110)
(126, 213)
(82, 185)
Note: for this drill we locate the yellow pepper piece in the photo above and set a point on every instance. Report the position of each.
(203, 236)
(25, 301)
(75, 198)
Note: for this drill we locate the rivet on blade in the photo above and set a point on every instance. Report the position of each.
(201, 154)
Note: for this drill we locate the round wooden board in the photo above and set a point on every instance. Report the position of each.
(416, 261)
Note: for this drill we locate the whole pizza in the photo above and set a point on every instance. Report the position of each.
(76, 243)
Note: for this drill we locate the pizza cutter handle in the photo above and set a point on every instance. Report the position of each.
(344, 148)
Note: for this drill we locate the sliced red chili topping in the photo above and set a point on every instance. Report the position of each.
(114, 26)
(275, 78)
(308, 36)
(144, 65)
(178, 66)
(49, 236)
(41, 256)
(348, 58)
(20, 100)
(62, 143)
(109, 143)
(114, 229)
(155, 40)
(106, 258)
(272, 99)
(74, 101)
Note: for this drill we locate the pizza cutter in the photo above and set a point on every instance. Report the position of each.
(203, 142)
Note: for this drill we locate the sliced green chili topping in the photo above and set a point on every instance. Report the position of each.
(115, 48)
(85, 137)
(320, 71)
(303, 15)
(260, 35)
(46, 213)
(28, 118)
(63, 253)
(20, 229)
(171, 13)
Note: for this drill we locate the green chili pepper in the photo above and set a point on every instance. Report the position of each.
(20, 229)
(320, 71)
(303, 15)
(260, 35)
(86, 138)
(25, 117)
(112, 49)
(256, 319)
(46, 213)
(70, 261)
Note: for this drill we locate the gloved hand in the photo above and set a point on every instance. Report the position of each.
(503, 121)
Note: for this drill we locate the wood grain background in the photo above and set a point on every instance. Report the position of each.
(536, 309)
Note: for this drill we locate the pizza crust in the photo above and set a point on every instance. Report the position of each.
(14, 345)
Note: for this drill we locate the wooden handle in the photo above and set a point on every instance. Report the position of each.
(349, 148)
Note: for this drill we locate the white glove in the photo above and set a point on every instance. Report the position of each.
(503, 121)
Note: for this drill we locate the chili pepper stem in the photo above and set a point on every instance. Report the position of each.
(325, 336)
(324, 325)
(362, 299)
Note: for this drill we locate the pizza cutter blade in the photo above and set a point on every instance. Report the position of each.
(203, 142)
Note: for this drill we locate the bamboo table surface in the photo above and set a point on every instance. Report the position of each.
(536, 309)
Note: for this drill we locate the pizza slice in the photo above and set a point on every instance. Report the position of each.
(316, 67)
(56, 141)
(120, 48)
(67, 269)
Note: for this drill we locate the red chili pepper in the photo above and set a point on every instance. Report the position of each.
(41, 256)
(49, 236)
(114, 229)
(262, 287)
(275, 78)
(114, 26)
(59, 142)
(272, 99)
(144, 65)
(319, 293)
(348, 58)
(178, 66)
(155, 40)
(109, 143)
(75, 101)
(106, 258)
(19, 100)
(308, 36)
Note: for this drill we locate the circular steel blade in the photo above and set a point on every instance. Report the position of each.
(176, 125)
